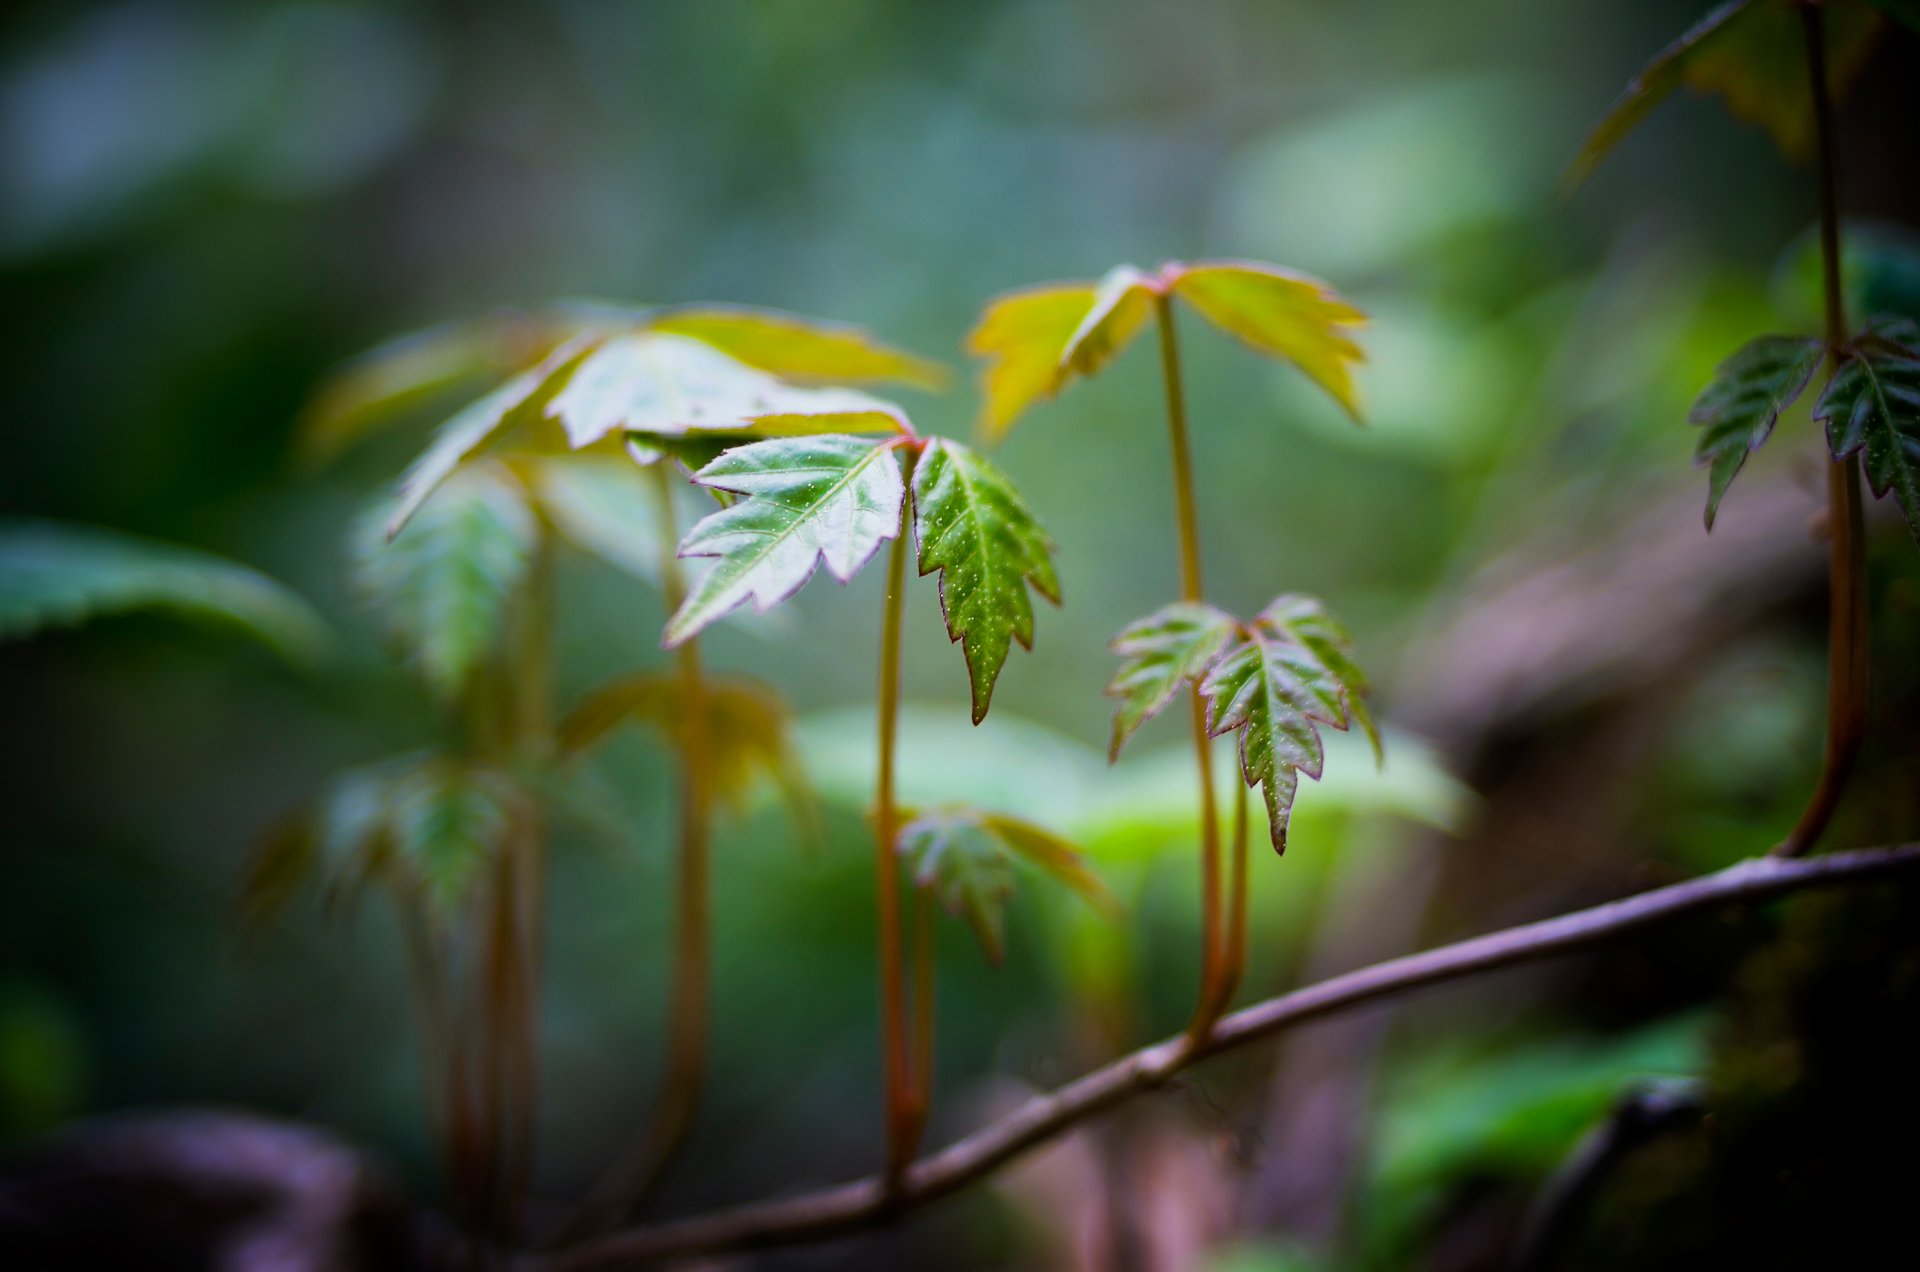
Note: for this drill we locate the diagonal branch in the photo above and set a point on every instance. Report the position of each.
(866, 1203)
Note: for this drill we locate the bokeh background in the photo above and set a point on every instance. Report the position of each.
(204, 207)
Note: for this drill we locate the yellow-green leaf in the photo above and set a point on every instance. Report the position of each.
(1022, 336)
(1283, 314)
(1122, 303)
(800, 349)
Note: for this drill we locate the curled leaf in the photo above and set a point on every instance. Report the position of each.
(1122, 303)
(1871, 408)
(797, 348)
(1175, 645)
(1737, 411)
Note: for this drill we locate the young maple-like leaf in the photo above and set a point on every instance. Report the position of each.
(1122, 303)
(966, 858)
(805, 500)
(1022, 335)
(443, 584)
(1291, 673)
(656, 383)
(1871, 407)
(1753, 54)
(1284, 315)
(797, 348)
(976, 530)
(1175, 645)
(1737, 411)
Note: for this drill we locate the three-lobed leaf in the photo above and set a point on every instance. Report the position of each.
(979, 534)
(1736, 412)
(1871, 407)
(804, 500)
(1175, 645)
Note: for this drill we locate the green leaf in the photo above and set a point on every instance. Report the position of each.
(54, 575)
(450, 820)
(1871, 407)
(521, 401)
(975, 529)
(1291, 674)
(966, 857)
(1280, 313)
(602, 505)
(1021, 335)
(1738, 410)
(1122, 302)
(669, 384)
(806, 500)
(1175, 645)
(801, 349)
(1753, 54)
(442, 587)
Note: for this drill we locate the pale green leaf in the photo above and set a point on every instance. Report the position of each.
(57, 575)
(800, 349)
(1871, 407)
(805, 500)
(976, 530)
(1737, 411)
(1282, 314)
(1022, 336)
(603, 505)
(1175, 645)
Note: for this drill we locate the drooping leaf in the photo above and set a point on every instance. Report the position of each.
(748, 738)
(1753, 54)
(58, 575)
(1122, 303)
(1737, 411)
(603, 505)
(976, 530)
(1022, 336)
(966, 857)
(805, 500)
(1282, 314)
(657, 383)
(800, 349)
(1291, 674)
(520, 401)
(1871, 407)
(443, 585)
(1175, 645)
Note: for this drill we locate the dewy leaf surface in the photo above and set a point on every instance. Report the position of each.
(1737, 411)
(672, 384)
(1290, 675)
(1173, 646)
(61, 575)
(797, 348)
(1751, 53)
(1022, 336)
(1282, 314)
(1871, 407)
(977, 531)
(804, 500)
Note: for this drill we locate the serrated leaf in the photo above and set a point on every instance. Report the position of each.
(58, 575)
(1274, 688)
(748, 738)
(1752, 53)
(975, 529)
(1173, 646)
(1738, 409)
(443, 585)
(602, 505)
(1871, 408)
(805, 500)
(965, 857)
(658, 383)
(1022, 335)
(522, 400)
(800, 349)
(1283, 314)
(1122, 302)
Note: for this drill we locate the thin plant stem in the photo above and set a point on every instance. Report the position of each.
(1234, 963)
(886, 827)
(923, 1004)
(1186, 521)
(1846, 547)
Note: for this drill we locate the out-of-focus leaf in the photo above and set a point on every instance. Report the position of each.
(449, 823)
(1122, 303)
(805, 500)
(1022, 335)
(975, 529)
(749, 735)
(1879, 273)
(1175, 645)
(1290, 674)
(1871, 407)
(693, 451)
(1753, 54)
(966, 858)
(666, 384)
(55, 575)
(1738, 410)
(1282, 314)
(603, 505)
(520, 401)
(442, 587)
(797, 348)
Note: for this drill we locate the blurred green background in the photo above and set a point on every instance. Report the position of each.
(204, 207)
